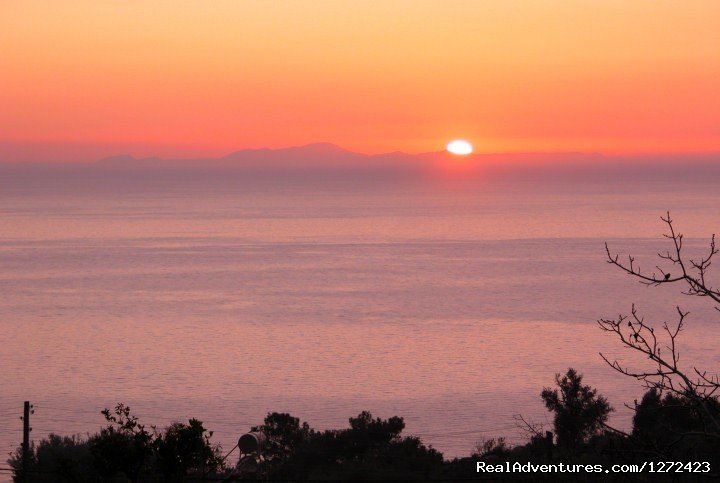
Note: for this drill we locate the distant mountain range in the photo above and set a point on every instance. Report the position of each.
(318, 155)
(310, 155)
(327, 157)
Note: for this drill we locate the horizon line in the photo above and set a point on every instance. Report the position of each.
(327, 144)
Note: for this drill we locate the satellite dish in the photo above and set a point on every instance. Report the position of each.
(251, 443)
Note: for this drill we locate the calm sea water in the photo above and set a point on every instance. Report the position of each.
(225, 296)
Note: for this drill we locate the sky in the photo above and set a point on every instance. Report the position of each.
(84, 79)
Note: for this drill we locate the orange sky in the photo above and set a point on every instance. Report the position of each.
(84, 79)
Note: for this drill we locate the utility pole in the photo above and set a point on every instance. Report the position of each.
(26, 439)
(549, 445)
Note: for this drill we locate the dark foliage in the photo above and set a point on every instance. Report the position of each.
(123, 447)
(371, 448)
(665, 428)
(579, 411)
(675, 426)
(124, 450)
(57, 458)
(184, 450)
(285, 434)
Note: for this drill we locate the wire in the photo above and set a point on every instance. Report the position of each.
(460, 433)
(141, 414)
(228, 454)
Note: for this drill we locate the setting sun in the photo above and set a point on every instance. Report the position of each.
(459, 147)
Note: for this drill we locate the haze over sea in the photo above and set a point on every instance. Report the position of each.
(226, 294)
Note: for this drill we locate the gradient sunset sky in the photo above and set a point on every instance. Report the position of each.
(85, 79)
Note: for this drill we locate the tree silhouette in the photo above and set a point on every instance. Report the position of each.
(124, 446)
(579, 411)
(185, 449)
(285, 433)
(371, 448)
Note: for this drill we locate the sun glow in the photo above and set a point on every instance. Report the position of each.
(459, 147)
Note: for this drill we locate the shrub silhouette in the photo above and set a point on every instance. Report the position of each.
(185, 449)
(123, 450)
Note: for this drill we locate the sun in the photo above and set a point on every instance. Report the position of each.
(459, 147)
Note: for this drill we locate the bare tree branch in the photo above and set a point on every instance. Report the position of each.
(692, 272)
(660, 345)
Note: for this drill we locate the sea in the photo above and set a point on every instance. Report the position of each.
(224, 295)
